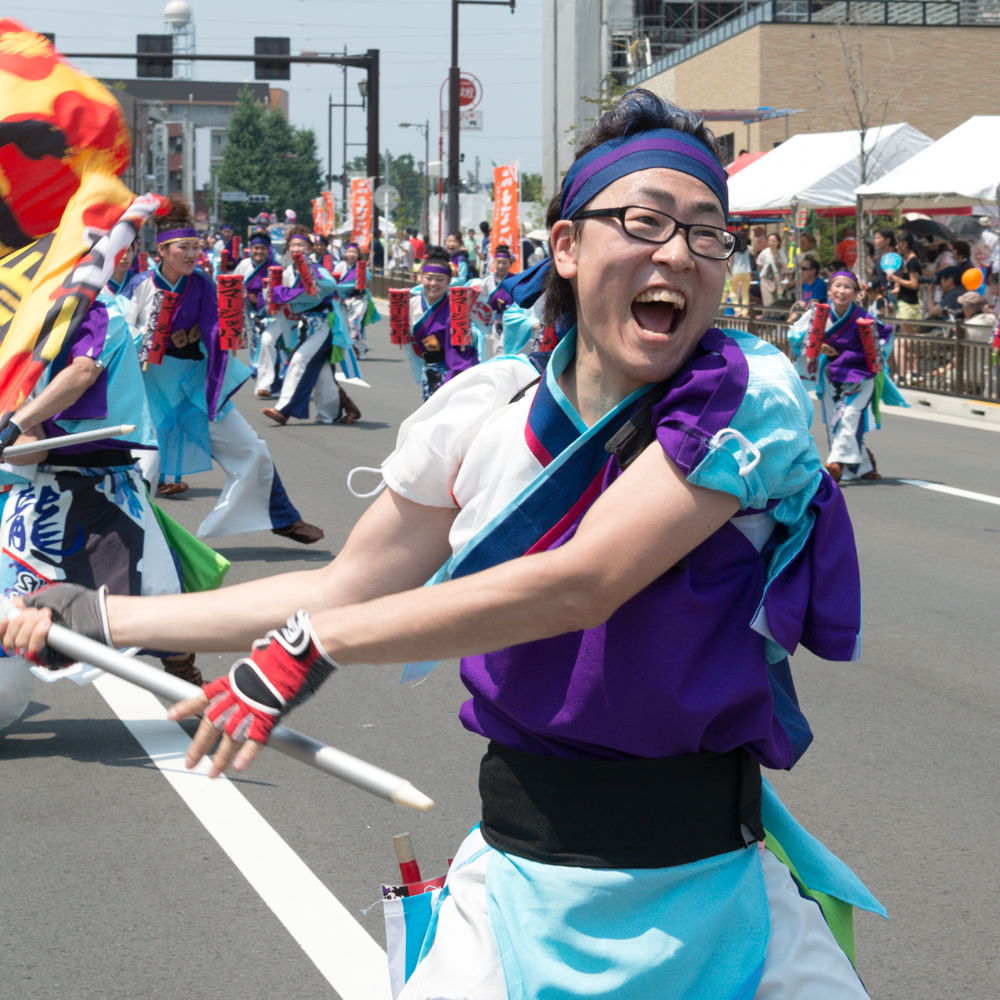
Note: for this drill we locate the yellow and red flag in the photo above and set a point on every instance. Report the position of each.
(63, 143)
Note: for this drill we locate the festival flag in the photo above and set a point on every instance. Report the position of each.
(505, 228)
(65, 217)
(318, 210)
(331, 213)
(361, 211)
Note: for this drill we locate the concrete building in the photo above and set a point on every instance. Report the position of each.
(919, 61)
(924, 61)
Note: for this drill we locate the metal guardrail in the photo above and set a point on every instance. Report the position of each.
(940, 357)
(380, 281)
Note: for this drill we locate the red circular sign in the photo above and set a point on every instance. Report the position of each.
(470, 92)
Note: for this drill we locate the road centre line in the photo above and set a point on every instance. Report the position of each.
(343, 951)
(951, 491)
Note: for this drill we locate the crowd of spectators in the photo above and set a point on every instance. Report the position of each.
(935, 280)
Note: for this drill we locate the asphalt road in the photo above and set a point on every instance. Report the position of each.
(113, 888)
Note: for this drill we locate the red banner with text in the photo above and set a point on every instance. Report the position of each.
(361, 211)
(505, 228)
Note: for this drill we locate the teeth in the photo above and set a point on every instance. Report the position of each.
(662, 295)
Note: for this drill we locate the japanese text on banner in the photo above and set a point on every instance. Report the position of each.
(505, 227)
(331, 213)
(361, 211)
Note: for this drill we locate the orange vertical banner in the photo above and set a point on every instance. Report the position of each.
(361, 211)
(505, 228)
(331, 213)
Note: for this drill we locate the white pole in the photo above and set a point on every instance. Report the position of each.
(359, 773)
(64, 442)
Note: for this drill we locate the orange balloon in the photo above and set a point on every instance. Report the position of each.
(972, 278)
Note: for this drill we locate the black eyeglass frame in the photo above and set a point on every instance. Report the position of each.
(619, 213)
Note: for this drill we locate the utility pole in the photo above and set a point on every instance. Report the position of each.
(454, 76)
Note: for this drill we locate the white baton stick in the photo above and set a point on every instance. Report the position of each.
(341, 765)
(119, 430)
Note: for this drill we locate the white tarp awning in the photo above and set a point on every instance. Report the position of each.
(821, 170)
(965, 164)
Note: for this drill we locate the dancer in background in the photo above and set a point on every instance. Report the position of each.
(312, 367)
(254, 271)
(359, 307)
(458, 256)
(851, 393)
(190, 397)
(434, 358)
(491, 300)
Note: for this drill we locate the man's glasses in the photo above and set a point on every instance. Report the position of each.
(650, 226)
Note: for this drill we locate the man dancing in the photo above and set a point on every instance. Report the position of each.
(629, 531)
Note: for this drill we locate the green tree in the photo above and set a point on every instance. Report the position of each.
(531, 187)
(265, 154)
(408, 181)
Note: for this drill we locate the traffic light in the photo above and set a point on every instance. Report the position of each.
(272, 69)
(158, 67)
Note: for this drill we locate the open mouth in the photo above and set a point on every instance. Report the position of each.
(659, 310)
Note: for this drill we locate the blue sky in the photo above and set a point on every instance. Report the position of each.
(503, 50)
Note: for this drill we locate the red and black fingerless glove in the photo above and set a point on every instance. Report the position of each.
(284, 669)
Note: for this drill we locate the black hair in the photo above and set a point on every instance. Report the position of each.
(179, 216)
(260, 234)
(484, 228)
(437, 255)
(962, 248)
(887, 234)
(298, 233)
(812, 262)
(637, 111)
(499, 247)
(457, 233)
(912, 241)
(777, 236)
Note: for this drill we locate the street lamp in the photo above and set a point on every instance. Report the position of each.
(453, 101)
(331, 104)
(426, 129)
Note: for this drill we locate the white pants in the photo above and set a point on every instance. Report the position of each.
(267, 358)
(16, 684)
(846, 445)
(244, 504)
(803, 960)
(326, 394)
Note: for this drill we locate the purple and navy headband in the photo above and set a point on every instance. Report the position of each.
(616, 158)
(502, 255)
(347, 246)
(260, 238)
(172, 235)
(436, 269)
(846, 274)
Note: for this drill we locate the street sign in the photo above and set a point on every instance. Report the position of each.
(468, 121)
(470, 91)
(258, 199)
(234, 196)
(386, 198)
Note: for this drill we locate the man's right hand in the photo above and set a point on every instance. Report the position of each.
(77, 608)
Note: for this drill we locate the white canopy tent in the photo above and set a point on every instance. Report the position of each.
(962, 168)
(821, 170)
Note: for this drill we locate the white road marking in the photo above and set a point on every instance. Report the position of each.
(343, 951)
(938, 488)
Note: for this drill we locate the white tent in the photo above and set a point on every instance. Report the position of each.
(961, 168)
(821, 170)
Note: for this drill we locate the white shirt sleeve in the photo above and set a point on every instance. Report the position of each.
(433, 442)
